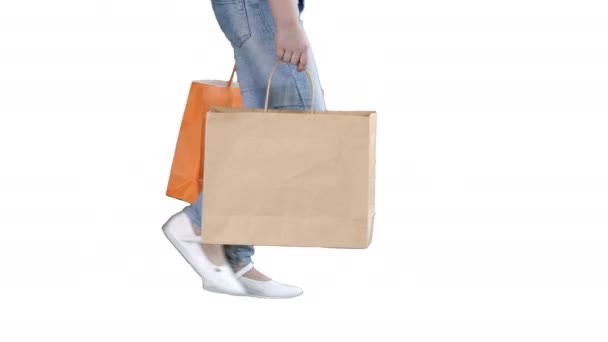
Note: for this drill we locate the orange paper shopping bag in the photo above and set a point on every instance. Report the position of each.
(185, 179)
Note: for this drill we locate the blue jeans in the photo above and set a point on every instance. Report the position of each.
(249, 27)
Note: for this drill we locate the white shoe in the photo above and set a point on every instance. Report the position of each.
(221, 279)
(268, 288)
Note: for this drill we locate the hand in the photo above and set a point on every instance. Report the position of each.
(292, 45)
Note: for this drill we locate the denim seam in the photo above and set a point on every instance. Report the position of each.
(295, 80)
(248, 35)
(269, 31)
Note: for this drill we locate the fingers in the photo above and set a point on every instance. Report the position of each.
(303, 61)
(295, 58)
(287, 56)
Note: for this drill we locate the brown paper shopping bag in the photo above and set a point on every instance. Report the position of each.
(186, 169)
(289, 178)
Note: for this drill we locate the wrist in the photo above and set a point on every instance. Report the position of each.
(287, 23)
(284, 13)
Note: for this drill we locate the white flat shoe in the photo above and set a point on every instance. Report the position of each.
(266, 289)
(220, 279)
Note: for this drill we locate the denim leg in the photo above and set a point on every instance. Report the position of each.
(237, 255)
(249, 27)
(194, 211)
(255, 58)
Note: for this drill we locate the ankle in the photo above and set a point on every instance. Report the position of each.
(215, 254)
(254, 274)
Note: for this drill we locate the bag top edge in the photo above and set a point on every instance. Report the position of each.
(233, 110)
(216, 83)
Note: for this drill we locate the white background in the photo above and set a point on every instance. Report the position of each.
(492, 174)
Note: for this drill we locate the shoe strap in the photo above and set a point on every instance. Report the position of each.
(244, 270)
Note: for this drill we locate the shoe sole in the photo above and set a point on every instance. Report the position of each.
(265, 297)
(250, 294)
(215, 290)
